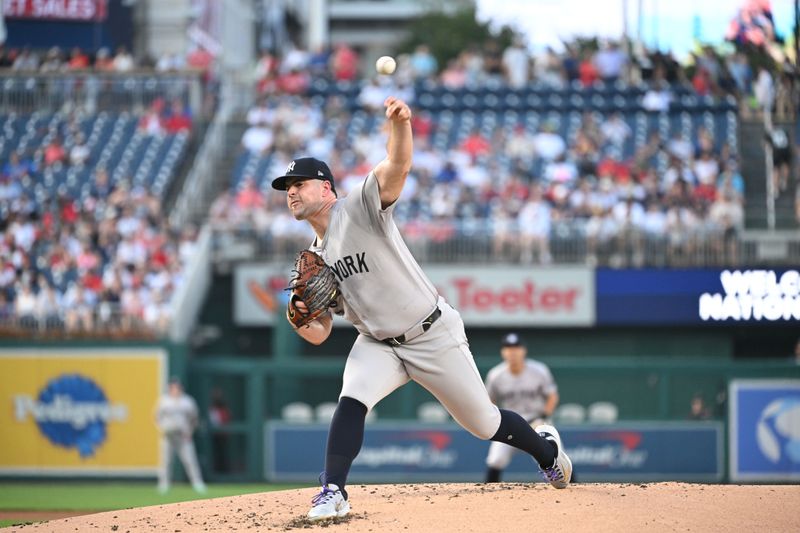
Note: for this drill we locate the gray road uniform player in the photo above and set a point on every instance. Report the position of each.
(176, 417)
(521, 385)
(406, 330)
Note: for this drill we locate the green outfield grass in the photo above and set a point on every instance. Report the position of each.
(108, 496)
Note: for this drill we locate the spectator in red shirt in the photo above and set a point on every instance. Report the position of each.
(705, 193)
(78, 60)
(701, 82)
(587, 71)
(200, 59)
(54, 152)
(476, 144)
(103, 61)
(344, 63)
(249, 197)
(293, 82)
(421, 125)
(179, 119)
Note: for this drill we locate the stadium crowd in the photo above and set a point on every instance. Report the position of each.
(526, 188)
(96, 257)
(56, 60)
(108, 263)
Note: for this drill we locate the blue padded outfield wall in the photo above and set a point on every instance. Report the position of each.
(410, 451)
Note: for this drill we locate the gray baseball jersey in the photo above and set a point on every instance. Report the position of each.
(386, 294)
(526, 393)
(176, 415)
(384, 291)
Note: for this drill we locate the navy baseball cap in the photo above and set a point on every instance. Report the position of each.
(511, 339)
(305, 167)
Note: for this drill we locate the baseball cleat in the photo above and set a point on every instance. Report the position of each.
(329, 503)
(560, 473)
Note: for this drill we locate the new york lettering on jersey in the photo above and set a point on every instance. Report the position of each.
(350, 265)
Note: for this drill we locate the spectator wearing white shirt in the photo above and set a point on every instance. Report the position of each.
(657, 99)
(48, 305)
(706, 168)
(261, 114)
(516, 64)
(534, 227)
(131, 252)
(123, 61)
(372, 95)
(726, 217)
(78, 304)
(25, 305)
(128, 224)
(257, 139)
(611, 62)
(548, 144)
(615, 130)
(764, 89)
(79, 153)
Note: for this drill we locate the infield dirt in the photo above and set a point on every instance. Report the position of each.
(507, 507)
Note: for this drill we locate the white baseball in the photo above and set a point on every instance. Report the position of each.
(385, 65)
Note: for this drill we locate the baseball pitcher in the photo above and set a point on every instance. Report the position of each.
(407, 331)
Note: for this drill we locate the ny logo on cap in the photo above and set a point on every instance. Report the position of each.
(319, 173)
(290, 168)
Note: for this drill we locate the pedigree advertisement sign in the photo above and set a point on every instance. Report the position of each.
(485, 296)
(518, 296)
(80, 412)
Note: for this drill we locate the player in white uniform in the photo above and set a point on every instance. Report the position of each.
(406, 330)
(520, 385)
(176, 416)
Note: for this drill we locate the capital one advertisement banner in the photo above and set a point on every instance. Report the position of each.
(411, 451)
(80, 411)
(485, 296)
(764, 430)
(67, 10)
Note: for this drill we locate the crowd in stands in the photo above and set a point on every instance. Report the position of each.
(55, 60)
(680, 188)
(108, 263)
(91, 255)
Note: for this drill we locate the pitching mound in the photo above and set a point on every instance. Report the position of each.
(474, 507)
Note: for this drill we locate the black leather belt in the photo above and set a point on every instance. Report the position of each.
(416, 331)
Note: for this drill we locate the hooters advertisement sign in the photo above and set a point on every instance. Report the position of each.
(70, 10)
(485, 296)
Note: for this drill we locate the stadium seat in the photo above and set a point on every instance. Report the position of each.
(324, 411)
(432, 412)
(603, 413)
(297, 413)
(570, 413)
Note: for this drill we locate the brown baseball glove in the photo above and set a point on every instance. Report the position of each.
(314, 284)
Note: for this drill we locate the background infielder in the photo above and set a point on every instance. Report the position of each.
(176, 416)
(520, 385)
(406, 330)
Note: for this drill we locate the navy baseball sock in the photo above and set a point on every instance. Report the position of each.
(516, 432)
(344, 441)
(493, 475)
